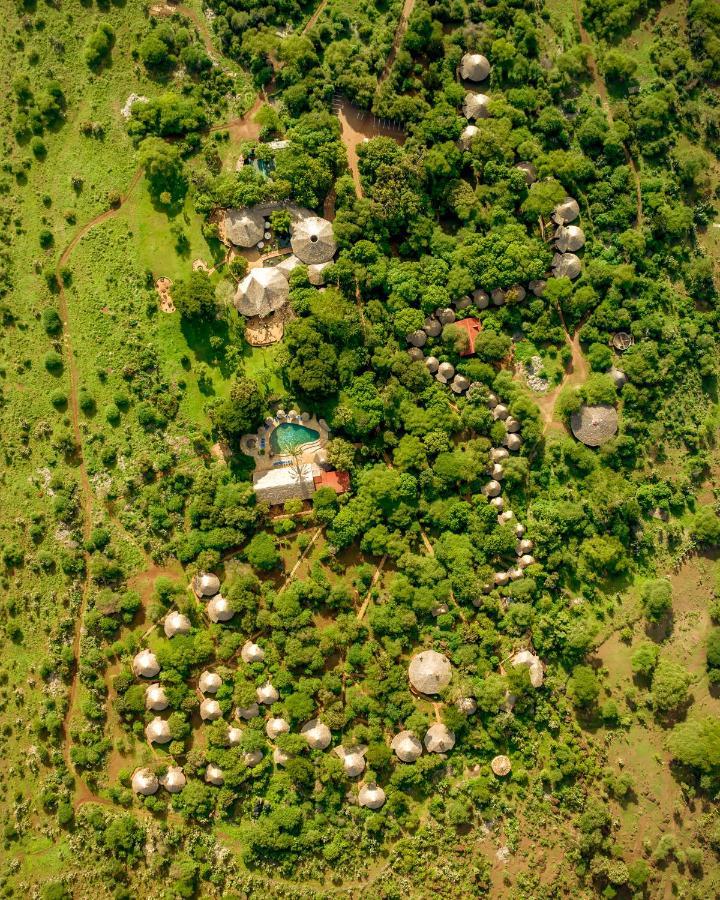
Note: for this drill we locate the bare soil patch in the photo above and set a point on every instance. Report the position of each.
(162, 286)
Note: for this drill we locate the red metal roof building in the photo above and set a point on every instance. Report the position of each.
(338, 481)
(472, 328)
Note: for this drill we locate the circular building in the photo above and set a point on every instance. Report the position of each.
(219, 610)
(468, 135)
(429, 672)
(569, 238)
(214, 775)
(244, 227)
(594, 425)
(474, 67)
(281, 757)
(406, 746)
(275, 727)
(210, 682)
(501, 765)
(533, 663)
(248, 712)
(317, 734)
(529, 171)
(371, 796)
(267, 694)
(261, 292)
(445, 372)
(466, 705)
(432, 363)
(439, 738)
(475, 106)
(313, 240)
(353, 760)
(210, 710)
(315, 273)
(145, 664)
(173, 780)
(252, 758)
(158, 731)
(566, 212)
(206, 584)
(155, 698)
(252, 653)
(144, 782)
(234, 735)
(176, 623)
(566, 265)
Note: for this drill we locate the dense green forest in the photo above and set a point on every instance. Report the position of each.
(459, 635)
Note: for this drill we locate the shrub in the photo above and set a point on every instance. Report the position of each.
(706, 526)
(52, 323)
(53, 362)
(656, 599)
(99, 45)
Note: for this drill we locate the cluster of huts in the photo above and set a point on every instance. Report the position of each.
(265, 289)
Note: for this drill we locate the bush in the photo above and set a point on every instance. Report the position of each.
(583, 687)
(713, 649)
(261, 552)
(99, 45)
(670, 686)
(46, 239)
(53, 362)
(59, 399)
(644, 659)
(656, 599)
(706, 526)
(52, 323)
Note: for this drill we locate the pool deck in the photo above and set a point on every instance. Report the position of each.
(259, 448)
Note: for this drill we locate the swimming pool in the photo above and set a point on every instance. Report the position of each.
(289, 436)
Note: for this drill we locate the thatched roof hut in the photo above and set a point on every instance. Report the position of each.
(234, 735)
(417, 338)
(144, 782)
(252, 758)
(219, 609)
(275, 727)
(158, 731)
(429, 672)
(566, 212)
(173, 780)
(244, 227)
(176, 623)
(445, 372)
(248, 712)
(468, 135)
(439, 738)
(206, 584)
(267, 694)
(474, 67)
(466, 705)
(353, 759)
(281, 757)
(210, 682)
(432, 363)
(252, 652)
(416, 354)
(313, 240)
(481, 298)
(569, 238)
(476, 106)
(594, 425)
(492, 489)
(210, 710)
(315, 273)
(155, 698)
(432, 326)
(406, 746)
(533, 663)
(261, 292)
(214, 775)
(145, 664)
(317, 734)
(529, 171)
(501, 765)
(566, 265)
(371, 796)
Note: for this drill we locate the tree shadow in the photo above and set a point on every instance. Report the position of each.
(659, 632)
(197, 333)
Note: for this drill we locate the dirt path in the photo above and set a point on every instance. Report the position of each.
(376, 575)
(397, 40)
(315, 16)
(300, 561)
(575, 375)
(601, 88)
(356, 127)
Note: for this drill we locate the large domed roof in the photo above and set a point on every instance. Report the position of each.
(313, 240)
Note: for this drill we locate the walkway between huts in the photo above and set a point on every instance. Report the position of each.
(376, 575)
(300, 561)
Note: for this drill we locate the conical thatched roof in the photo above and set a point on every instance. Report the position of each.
(594, 425)
(210, 682)
(287, 264)
(475, 106)
(439, 738)
(276, 727)
(144, 782)
(234, 735)
(353, 760)
(248, 712)
(569, 238)
(281, 757)
(538, 286)
(267, 694)
(406, 746)
(501, 765)
(417, 338)
(566, 212)
(176, 623)
(315, 273)
(252, 652)
(533, 663)
(416, 354)
(158, 731)
(313, 240)
(618, 377)
(429, 672)
(173, 780)
(432, 364)
(214, 775)
(210, 710)
(252, 758)
(466, 705)
(481, 298)
(156, 698)
(206, 584)
(317, 734)
(468, 135)
(219, 610)
(512, 441)
(244, 227)
(371, 796)
(492, 489)
(474, 67)
(261, 292)
(445, 372)
(145, 664)
(432, 326)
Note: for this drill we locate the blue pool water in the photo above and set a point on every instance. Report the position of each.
(288, 436)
